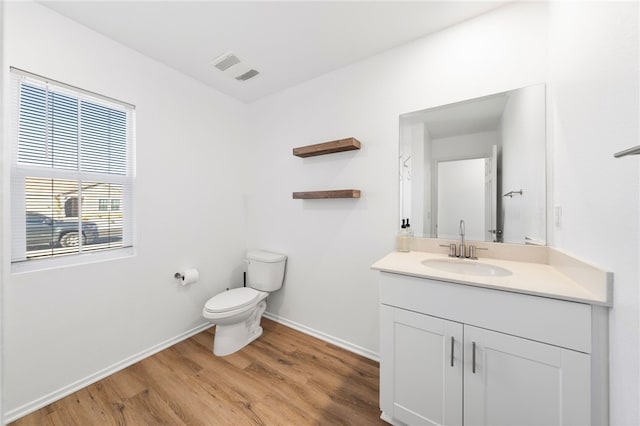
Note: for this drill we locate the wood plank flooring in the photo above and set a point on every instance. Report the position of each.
(283, 378)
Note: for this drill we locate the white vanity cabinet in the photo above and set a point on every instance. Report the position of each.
(453, 354)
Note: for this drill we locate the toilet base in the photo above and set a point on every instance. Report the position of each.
(233, 337)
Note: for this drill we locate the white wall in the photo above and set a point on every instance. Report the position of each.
(594, 112)
(329, 286)
(2, 219)
(65, 325)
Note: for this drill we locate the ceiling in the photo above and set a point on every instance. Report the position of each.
(287, 42)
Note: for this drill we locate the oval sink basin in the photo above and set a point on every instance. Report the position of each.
(467, 267)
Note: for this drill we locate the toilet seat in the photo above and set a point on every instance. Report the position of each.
(232, 300)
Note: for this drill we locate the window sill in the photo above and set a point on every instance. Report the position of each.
(71, 260)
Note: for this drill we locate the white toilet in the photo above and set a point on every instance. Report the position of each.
(237, 312)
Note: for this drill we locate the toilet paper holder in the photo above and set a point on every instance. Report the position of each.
(188, 276)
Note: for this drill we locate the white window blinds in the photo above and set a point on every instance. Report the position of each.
(72, 150)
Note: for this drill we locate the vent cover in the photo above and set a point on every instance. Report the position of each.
(226, 62)
(247, 75)
(231, 65)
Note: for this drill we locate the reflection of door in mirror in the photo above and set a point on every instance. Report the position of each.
(491, 197)
(464, 192)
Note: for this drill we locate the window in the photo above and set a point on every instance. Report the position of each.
(106, 204)
(71, 170)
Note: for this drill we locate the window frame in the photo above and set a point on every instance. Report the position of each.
(20, 171)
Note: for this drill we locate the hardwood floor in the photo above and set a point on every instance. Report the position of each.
(283, 378)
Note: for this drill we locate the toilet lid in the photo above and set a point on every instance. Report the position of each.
(232, 299)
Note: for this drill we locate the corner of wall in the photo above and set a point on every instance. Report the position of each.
(2, 204)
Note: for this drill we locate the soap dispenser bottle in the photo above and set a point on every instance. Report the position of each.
(402, 240)
(409, 230)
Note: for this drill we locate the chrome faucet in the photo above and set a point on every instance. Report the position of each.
(462, 251)
(461, 248)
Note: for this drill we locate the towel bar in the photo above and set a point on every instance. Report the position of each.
(631, 151)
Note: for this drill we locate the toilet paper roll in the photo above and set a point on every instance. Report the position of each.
(189, 276)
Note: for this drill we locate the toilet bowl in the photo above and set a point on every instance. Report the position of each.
(237, 313)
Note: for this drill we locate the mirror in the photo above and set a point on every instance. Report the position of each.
(481, 161)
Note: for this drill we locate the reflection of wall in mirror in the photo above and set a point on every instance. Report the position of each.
(412, 169)
(523, 133)
(406, 171)
(416, 138)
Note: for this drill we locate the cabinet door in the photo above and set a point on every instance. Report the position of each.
(420, 376)
(517, 381)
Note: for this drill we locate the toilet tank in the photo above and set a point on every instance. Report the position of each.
(265, 270)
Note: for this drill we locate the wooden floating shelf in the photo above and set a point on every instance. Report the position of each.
(316, 195)
(340, 145)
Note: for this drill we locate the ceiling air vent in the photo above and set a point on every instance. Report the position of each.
(232, 66)
(226, 62)
(247, 75)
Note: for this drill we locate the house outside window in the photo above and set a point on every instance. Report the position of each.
(109, 204)
(71, 170)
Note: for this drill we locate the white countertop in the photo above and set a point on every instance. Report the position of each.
(536, 279)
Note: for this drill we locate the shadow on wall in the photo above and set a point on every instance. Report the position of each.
(336, 204)
(274, 304)
(236, 277)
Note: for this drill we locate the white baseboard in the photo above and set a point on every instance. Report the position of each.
(114, 368)
(326, 337)
(387, 418)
